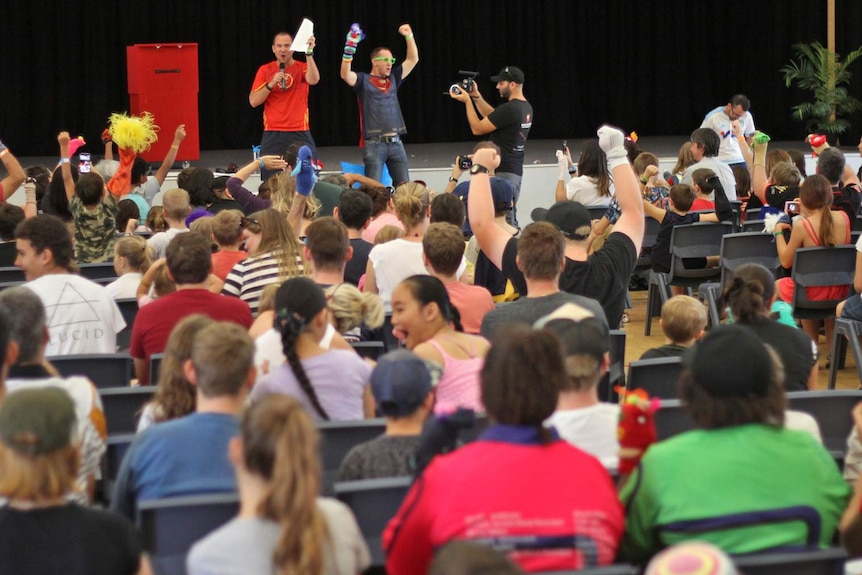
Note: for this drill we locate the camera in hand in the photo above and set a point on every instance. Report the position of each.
(464, 162)
(791, 208)
(465, 84)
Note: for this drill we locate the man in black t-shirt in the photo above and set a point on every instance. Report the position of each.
(507, 125)
(604, 275)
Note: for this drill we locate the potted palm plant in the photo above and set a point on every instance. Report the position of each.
(824, 74)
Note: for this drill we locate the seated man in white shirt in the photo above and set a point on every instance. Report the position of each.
(580, 418)
(82, 316)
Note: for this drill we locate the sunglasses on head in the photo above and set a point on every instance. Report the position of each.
(250, 224)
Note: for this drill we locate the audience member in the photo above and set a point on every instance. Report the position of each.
(354, 211)
(765, 498)
(221, 199)
(404, 394)
(283, 524)
(449, 209)
(580, 418)
(14, 173)
(535, 514)
(604, 275)
(175, 395)
(40, 532)
(702, 190)
(353, 312)
(332, 384)
(383, 213)
(593, 185)
(750, 294)
(818, 226)
(683, 320)
(501, 188)
(274, 255)
(705, 145)
(93, 209)
(846, 189)
(189, 265)
(10, 216)
(156, 220)
(443, 252)
(541, 258)
(689, 558)
(393, 261)
(227, 233)
(176, 209)
(28, 329)
(684, 161)
(83, 317)
(132, 259)
(425, 319)
(128, 216)
(469, 558)
(189, 455)
(327, 248)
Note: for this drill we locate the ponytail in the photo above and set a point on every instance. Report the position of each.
(749, 292)
(281, 445)
(291, 326)
(827, 230)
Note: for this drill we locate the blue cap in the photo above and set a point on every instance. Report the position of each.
(400, 383)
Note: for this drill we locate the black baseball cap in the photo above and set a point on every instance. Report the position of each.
(571, 218)
(509, 74)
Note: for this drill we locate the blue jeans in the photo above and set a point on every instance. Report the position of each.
(393, 155)
(512, 215)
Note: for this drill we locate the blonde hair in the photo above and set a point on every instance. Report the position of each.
(176, 204)
(283, 186)
(162, 282)
(136, 251)
(156, 220)
(38, 477)
(227, 227)
(279, 239)
(387, 234)
(411, 203)
(682, 317)
(785, 174)
(684, 159)
(350, 307)
(267, 298)
(773, 158)
(204, 227)
(280, 444)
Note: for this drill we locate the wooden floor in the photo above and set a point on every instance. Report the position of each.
(637, 343)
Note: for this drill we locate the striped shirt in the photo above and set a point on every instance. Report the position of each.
(249, 277)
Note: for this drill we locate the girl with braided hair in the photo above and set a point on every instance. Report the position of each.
(283, 526)
(332, 384)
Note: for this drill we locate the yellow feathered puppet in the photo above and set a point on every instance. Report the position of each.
(133, 135)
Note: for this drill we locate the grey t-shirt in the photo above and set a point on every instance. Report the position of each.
(384, 456)
(529, 309)
(246, 546)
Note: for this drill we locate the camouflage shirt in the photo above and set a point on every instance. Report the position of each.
(95, 229)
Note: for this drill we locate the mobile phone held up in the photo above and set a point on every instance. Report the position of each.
(791, 208)
(84, 164)
(464, 162)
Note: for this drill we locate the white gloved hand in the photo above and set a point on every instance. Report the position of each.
(562, 165)
(611, 141)
(30, 192)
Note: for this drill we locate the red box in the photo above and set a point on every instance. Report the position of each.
(163, 80)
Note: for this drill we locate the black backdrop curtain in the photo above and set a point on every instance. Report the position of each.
(652, 66)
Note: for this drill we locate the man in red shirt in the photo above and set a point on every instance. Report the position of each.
(189, 264)
(282, 87)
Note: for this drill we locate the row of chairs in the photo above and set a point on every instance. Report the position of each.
(171, 526)
(102, 272)
(812, 267)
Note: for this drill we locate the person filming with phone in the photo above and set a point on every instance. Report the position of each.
(507, 125)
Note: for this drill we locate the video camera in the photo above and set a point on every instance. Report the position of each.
(466, 84)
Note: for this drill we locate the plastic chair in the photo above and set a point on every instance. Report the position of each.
(129, 308)
(155, 367)
(846, 331)
(338, 437)
(8, 254)
(753, 226)
(833, 412)
(698, 240)
(672, 419)
(657, 293)
(374, 502)
(98, 271)
(169, 527)
(369, 349)
(123, 406)
(103, 369)
(747, 248)
(115, 450)
(811, 562)
(11, 274)
(616, 374)
(857, 224)
(655, 376)
(816, 267)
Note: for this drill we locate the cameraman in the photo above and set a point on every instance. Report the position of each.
(508, 125)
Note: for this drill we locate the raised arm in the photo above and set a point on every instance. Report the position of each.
(245, 198)
(628, 195)
(744, 146)
(65, 163)
(453, 179)
(758, 171)
(14, 173)
(171, 156)
(412, 57)
(562, 173)
(492, 239)
(312, 74)
(354, 37)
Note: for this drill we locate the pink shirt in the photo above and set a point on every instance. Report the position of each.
(384, 219)
(459, 385)
(472, 302)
